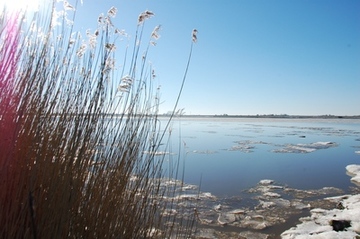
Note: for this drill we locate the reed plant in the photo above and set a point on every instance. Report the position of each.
(80, 136)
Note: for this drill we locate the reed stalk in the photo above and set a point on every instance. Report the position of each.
(78, 137)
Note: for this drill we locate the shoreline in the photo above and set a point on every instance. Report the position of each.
(323, 213)
(343, 221)
(267, 116)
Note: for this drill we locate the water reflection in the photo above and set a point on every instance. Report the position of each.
(228, 156)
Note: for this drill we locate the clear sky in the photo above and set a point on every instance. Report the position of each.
(299, 57)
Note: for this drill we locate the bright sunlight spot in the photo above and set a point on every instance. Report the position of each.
(20, 5)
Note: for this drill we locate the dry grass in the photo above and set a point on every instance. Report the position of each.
(74, 132)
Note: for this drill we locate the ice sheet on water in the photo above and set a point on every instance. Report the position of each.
(266, 181)
(272, 204)
(245, 146)
(249, 146)
(210, 132)
(305, 148)
(157, 153)
(204, 152)
(353, 170)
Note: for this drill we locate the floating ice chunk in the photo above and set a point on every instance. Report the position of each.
(204, 152)
(218, 207)
(302, 149)
(323, 143)
(266, 182)
(189, 187)
(237, 211)
(206, 233)
(170, 212)
(280, 202)
(189, 196)
(156, 153)
(253, 235)
(226, 218)
(201, 196)
(256, 224)
(336, 199)
(357, 152)
(245, 146)
(354, 171)
(299, 205)
(272, 195)
(207, 195)
(242, 148)
(305, 148)
(266, 205)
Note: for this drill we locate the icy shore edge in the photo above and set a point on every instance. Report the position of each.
(341, 222)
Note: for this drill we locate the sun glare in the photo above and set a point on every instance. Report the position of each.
(19, 5)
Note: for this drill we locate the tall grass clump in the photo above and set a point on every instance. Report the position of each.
(79, 134)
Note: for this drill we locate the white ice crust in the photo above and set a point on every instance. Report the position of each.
(318, 225)
(354, 171)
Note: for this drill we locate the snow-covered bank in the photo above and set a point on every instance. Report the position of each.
(340, 222)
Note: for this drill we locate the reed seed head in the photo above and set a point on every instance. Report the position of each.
(110, 47)
(68, 6)
(144, 16)
(155, 32)
(194, 35)
(112, 12)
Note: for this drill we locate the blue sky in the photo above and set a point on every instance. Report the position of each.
(299, 57)
(261, 57)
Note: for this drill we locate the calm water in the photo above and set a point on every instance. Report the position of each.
(230, 155)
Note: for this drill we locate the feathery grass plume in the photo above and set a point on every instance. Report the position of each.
(155, 32)
(81, 142)
(144, 16)
(68, 6)
(112, 11)
(194, 35)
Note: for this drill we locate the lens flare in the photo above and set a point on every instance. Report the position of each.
(20, 5)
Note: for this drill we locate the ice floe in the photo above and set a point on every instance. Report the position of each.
(353, 170)
(245, 146)
(269, 205)
(204, 152)
(305, 148)
(157, 153)
(248, 146)
(266, 182)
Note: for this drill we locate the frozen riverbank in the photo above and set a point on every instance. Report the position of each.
(270, 208)
(340, 222)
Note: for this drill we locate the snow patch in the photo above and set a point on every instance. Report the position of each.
(340, 222)
(321, 223)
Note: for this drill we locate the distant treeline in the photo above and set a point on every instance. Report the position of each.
(282, 116)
